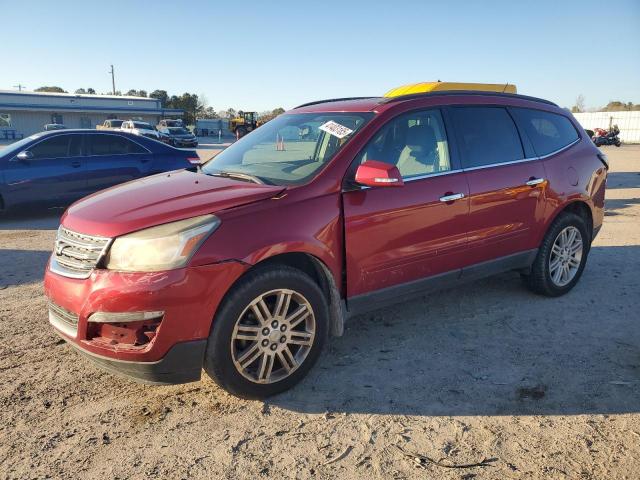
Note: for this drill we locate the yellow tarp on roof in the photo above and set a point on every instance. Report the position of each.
(425, 87)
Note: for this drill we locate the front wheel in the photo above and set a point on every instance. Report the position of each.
(268, 333)
(561, 257)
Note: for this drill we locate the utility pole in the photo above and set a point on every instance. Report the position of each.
(19, 87)
(113, 80)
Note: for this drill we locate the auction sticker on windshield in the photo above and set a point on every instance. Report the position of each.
(335, 129)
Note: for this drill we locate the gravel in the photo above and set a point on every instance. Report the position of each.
(487, 381)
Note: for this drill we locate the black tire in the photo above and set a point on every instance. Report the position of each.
(218, 362)
(241, 132)
(539, 279)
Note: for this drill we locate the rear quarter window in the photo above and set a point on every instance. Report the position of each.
(549, 132)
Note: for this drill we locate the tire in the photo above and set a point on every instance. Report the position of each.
(543, 277)
(241, 132)
(224, 355)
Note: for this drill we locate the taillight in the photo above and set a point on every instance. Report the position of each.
(194, 160)
(605, 161)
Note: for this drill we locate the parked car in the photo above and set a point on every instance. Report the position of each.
(179, 137)
(245, 265)
(59, 167)
(53, 126)
(111, 124)
(166, 122)
(143, 129)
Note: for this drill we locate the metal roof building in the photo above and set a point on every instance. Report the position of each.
(25, 113)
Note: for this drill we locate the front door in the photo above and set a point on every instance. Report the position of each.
(55, 173)
(396, 236)
(506, 182)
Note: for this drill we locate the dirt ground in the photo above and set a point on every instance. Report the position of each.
(529, 387)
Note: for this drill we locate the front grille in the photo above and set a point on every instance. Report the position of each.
(76, 254)
(63, 319)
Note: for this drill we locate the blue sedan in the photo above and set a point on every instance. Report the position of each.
(59, 167)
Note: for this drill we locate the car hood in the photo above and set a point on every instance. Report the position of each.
(159, 199)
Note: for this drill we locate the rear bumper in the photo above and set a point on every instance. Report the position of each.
(181, 364)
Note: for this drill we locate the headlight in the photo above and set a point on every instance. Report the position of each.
(164, 247)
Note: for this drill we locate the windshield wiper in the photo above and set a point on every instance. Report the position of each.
(239, 176)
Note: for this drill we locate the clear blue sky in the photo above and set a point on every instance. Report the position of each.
(257, 55)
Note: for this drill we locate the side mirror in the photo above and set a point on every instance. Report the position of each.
(24, 155)
(373, 173)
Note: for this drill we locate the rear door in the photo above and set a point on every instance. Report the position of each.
(113, 159)
(54, 174)
(506, 182)
(395, 236)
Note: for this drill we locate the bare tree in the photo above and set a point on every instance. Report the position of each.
(579, 106)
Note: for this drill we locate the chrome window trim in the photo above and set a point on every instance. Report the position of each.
(566, 147)
(429, 175)
(67, 134)
(529, 159)
(491, 165)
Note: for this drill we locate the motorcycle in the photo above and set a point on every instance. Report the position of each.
(606, 137)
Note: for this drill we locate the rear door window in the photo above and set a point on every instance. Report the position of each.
(112, 145)
(486, 136)
(56, 147)
(548, 132)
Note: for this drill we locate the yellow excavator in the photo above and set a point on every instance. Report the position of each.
(244, 123)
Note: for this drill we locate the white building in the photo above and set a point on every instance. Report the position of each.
(25, 113)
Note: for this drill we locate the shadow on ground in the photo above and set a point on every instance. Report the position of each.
(491, 348)
(623, 180)
(22, 266)
(31, 219)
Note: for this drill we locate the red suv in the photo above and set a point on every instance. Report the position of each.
(245, 265)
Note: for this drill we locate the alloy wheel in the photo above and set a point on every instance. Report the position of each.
(273, 336)
(566, 256)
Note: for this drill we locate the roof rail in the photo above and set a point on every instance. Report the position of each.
(465, 92)
(329, 100)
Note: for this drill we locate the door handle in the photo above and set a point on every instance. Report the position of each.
(534, 181)
(452, 197)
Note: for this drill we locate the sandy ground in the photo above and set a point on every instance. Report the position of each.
(534, 387)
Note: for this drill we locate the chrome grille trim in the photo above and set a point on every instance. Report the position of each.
(75, 255)
(63, 320)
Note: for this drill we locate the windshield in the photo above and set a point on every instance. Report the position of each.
(290, 149)
(178, 131)
(115, 123)
(143, 126)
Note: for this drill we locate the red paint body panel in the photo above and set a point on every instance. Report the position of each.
(158, 199)
(369, 239)
(505, 214)
(188, 296)
(399, 235)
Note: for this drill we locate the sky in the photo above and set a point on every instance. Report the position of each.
(259, 55)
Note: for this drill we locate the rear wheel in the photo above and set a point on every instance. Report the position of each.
(241, 132)
(268, 333)
(561, 258)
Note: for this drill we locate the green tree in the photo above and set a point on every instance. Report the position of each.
(50, 89)
(80, 91)
(161, 95)
(91, 91)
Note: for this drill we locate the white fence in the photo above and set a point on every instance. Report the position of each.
(628, 123)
